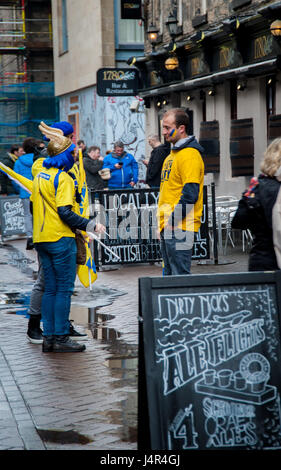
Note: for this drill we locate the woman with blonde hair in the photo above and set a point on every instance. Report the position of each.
(258, 211)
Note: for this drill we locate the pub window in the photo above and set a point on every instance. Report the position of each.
(62, 26)
(270, 98)
(178, 11)
(200, 7)
(233, 99)
(129, 31)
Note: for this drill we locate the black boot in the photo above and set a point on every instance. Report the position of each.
(48, 342)
(64, 344)
(74, 334)
(29, 244)
(34, 332)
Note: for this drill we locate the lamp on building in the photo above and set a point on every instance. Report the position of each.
(189, 98)
(270, 80)
(158, 104)
(241, 85)
(211, 91)
(152, 34)
(172, 63)
(161, 102)
(275, 29)
(172, 24)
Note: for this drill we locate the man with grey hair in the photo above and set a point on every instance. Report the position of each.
(157, 157)
(123, 168)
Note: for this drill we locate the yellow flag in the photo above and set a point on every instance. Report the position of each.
(87, 273)
(25, 183)
(83, 189)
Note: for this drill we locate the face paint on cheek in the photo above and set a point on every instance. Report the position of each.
(173, 133)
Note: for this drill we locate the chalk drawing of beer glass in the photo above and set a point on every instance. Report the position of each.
(224, 377)
(210, 377)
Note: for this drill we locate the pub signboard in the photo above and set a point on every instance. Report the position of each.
(117, 82)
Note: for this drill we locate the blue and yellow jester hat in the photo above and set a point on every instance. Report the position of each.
(59, 148)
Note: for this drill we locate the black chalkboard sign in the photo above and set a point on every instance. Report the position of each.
(210, 362)
(12, 216)
(130, 218)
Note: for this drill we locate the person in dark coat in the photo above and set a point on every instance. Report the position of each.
(93, 163)
(81, 145)
(256, 207)
(23, 167)
(6, 186)
(157, 157)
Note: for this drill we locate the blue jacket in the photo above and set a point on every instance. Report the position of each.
(120, 178)
(23, 167)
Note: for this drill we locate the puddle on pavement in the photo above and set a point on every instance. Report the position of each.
(122, 358)
(18, 259)
(15, 302)
(122, 361)
(63, 437)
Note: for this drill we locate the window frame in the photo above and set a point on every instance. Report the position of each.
(62, 27)
(117, 20)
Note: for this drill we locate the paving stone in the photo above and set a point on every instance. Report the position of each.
(83, 392)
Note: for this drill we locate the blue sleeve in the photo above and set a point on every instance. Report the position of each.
(108, 163)
(74, 221)
(135, 167)
(188, 198)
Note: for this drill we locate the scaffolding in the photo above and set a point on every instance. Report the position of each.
(26, 70)
(22, 107)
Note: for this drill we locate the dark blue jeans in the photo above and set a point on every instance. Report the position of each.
(59, 266)
(176, 249)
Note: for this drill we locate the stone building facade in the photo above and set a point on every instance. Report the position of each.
(87, 40)
(227, 78)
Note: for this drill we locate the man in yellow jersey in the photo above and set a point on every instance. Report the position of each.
(54, 225)
(34, 332)
(180, 202)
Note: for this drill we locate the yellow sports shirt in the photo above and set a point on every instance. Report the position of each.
(37, 166)
(179, 168)
(52, 188)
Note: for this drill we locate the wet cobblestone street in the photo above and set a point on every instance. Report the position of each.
(74, 401)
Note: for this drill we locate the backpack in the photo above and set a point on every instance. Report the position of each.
(250, 210)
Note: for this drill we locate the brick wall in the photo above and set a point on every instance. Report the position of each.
(217, 10)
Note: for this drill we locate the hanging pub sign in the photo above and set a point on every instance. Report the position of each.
(131, 10)
(117, 82)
